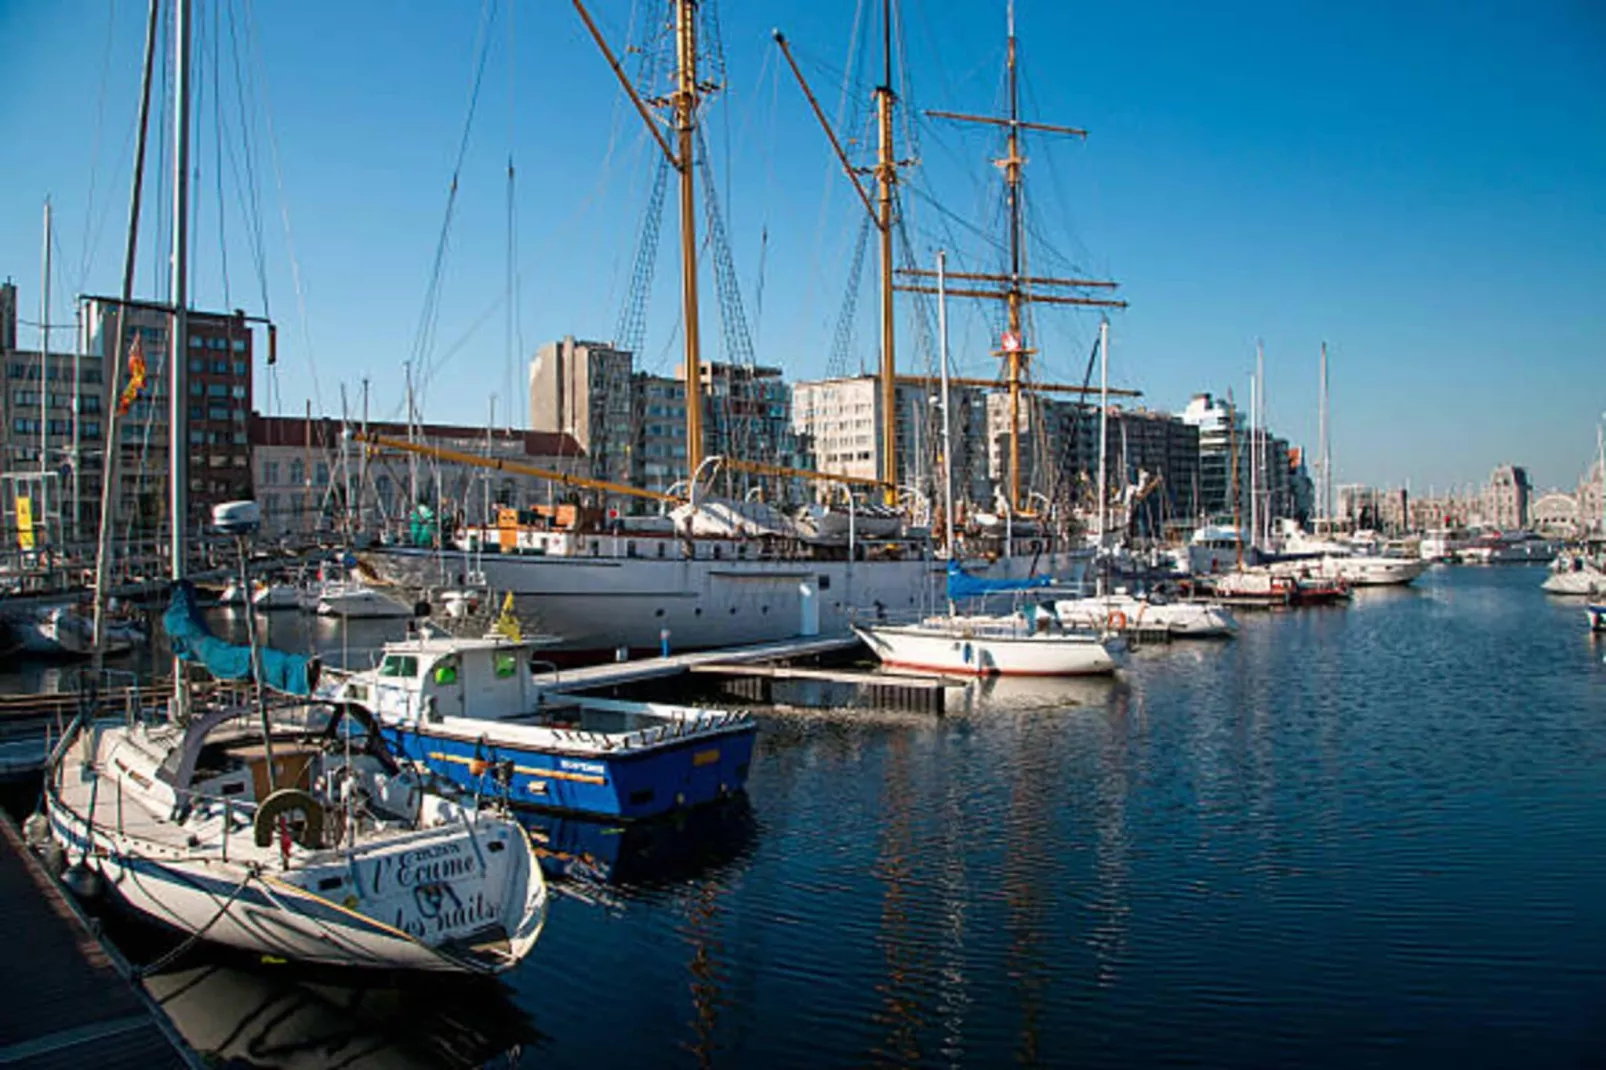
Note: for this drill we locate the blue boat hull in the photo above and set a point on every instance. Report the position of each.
(627, 784)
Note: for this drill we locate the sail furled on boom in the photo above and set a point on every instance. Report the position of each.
(962, 584)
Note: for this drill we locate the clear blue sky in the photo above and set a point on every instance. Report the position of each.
(1421, 185)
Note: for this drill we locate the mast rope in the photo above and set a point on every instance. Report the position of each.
(429, 313)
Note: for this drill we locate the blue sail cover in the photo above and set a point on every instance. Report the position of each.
(962, 584)
(192, 640)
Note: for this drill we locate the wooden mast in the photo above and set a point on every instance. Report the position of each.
(1017, 289)
(683, 102)
(886, 175)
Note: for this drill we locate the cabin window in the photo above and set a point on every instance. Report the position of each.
(825, 583)
(506, 662)
(660, 549)
(446, 671)
(399, 665)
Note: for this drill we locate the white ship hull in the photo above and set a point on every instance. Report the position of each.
(603, 603)
(1120, 613)
(975, 647)
(1371, 571)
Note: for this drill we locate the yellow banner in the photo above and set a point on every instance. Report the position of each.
(24, 522)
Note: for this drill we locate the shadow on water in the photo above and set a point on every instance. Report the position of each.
(642, 854)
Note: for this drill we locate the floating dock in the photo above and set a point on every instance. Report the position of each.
(69, 1001)
(749, 672)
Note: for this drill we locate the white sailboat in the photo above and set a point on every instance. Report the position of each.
(1028, 642)
(309, 843)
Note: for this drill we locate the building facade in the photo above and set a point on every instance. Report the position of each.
(1505, 497)
(313, 479)
(583, 390)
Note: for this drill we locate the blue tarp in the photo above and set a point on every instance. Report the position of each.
(962, 584)
(192, 640)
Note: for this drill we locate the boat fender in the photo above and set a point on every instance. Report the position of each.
(284, 801)
(1117, 620)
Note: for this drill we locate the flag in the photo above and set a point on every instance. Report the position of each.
(136, 376)
(1011, 341)
(507, 624)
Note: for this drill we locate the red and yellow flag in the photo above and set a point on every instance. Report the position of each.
(136, 376)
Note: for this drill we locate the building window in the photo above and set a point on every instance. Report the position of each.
(270, 473)
(197, 388)
(217, 390)
(237, 392)
(197, 342)
(298, 473)
(321, 478)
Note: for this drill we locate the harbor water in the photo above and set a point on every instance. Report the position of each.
(1366, 835)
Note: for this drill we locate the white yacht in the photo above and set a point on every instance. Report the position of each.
(1575, 573)
(1017, 644)
(1123, 612)
(354, 600)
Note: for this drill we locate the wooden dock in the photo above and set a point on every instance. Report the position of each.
(68, 1001)
(750, 672)
(619, 673)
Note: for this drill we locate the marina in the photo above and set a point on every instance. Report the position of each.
(1332, 830)
(1038, 693)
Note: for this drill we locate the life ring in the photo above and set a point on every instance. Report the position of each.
(284, 801)
(1117, 620)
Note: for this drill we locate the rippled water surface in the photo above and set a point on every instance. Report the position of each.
(1370, 835)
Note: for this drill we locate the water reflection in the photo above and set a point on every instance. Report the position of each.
(641, 853)
(241, 1014)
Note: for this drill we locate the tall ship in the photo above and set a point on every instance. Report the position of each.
(705, 570)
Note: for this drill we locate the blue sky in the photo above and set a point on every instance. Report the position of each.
(1423, 186)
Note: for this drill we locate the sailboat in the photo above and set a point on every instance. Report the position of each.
(280, 826)
(603, 587)
(1031, 641)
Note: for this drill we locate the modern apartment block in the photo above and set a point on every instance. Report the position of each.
(217, 352)
(838, 427)
(584, 390)
(1505, 497)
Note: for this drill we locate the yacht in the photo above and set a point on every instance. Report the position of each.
(1575, 572)
(1030, 641)
(1017, 644)
(1122, 612)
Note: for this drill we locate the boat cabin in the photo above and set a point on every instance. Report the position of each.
(434, 678)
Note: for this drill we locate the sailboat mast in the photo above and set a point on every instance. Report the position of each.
(1254, 463)
(947, 413)
(1323, 505)
(177, 436)
(112, 353)
(1015, 348)
(1104, 417)
(886, 174)
(685, 106)
(44, 360)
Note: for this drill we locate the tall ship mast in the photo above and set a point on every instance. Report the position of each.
(1015, 287)
(707, 573)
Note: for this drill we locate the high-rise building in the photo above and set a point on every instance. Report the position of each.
(838, 426)
(218, 353)
(583, 390)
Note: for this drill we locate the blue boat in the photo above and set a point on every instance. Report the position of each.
(1597, 616)
(473, 710)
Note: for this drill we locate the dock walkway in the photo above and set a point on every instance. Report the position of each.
(67, 1003)
(616, 673)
